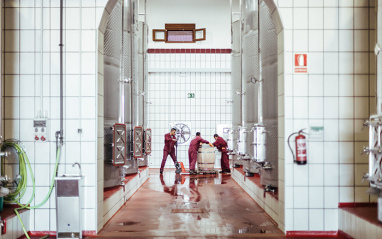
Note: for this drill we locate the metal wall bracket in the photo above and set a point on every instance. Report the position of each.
(240, 93)
(254, 80)
(126, 81)
(377, 49)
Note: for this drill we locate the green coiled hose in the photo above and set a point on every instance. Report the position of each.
(22, 185)
(16, 196)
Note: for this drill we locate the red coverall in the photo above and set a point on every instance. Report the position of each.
(221, 145)
(169, 149)
(193, 150)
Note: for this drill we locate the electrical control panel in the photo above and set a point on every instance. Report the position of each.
(40, 130)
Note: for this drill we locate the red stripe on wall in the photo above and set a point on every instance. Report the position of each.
(356, 204)
(312, 233)
(188, 51)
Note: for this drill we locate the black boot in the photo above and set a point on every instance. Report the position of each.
(178, 169)
(225, 171)
(192, 172)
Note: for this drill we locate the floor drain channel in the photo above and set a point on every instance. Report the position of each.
(127, 223)
(253, 230)
(194, 210)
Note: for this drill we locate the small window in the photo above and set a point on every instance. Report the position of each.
(159, 35)
(200, 34)
(179, 33)
(180, 36)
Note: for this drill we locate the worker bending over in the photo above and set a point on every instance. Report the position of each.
(169, 149)
(193, 151)
(221, 145)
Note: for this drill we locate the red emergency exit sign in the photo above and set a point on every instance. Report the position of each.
(300, 63)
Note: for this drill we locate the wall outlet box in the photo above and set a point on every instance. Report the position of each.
(40, 132)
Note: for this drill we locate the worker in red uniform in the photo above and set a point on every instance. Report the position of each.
(221, 145)
(193, 151)
(169, 149)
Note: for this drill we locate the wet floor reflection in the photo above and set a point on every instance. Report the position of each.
(183, 206)
(186, 186)
(196, 198)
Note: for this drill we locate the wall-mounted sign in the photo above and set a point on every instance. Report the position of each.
(316, 133)
(300, 63)
(191, 95)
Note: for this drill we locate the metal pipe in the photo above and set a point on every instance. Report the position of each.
(131, 63)
(230, 4)
(379, 59)
(61, 77)
(242, 99)
(144, 108)
(145, 11)
(1, 83)
(42, 61)
(145, 65)
(260, 98)
(135, 75)
(372, 160)
(79, 167)
(134, 78)
(121, 117)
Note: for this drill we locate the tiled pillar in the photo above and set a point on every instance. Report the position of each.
(31, 86)
(337, 93)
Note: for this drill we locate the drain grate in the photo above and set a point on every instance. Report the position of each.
(127, 223)
(253, 230)
(194, 210)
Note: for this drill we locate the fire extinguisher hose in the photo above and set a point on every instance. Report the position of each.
(294, 159)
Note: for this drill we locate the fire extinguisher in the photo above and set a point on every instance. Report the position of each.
(300, 140)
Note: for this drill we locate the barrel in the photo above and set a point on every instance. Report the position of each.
(206, 158)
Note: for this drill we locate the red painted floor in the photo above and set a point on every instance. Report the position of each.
(191, 206)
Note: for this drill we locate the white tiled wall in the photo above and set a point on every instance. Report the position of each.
(338, 94)
(208, 80)
(25, 87)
